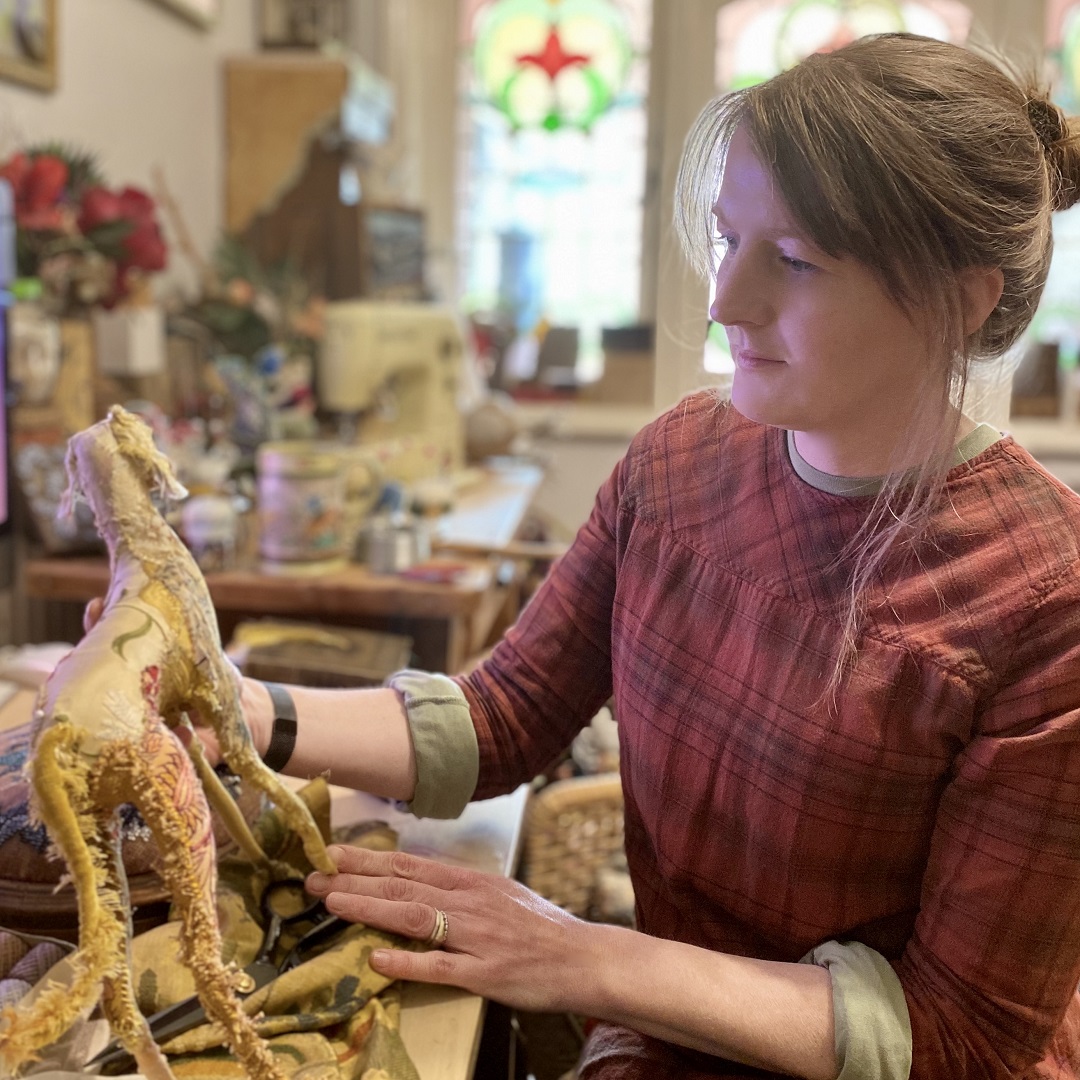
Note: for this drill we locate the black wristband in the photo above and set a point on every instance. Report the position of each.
(283, 733)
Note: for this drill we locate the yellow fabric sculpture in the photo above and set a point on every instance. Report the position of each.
(103, 736)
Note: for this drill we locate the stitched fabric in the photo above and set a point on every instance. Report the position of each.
(933, 815)
(332, 1017)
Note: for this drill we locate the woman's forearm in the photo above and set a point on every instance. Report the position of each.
(356, 738)
(775, 1016)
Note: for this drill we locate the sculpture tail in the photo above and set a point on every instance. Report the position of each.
(59, 777)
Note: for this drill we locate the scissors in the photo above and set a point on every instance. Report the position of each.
(189, 1013)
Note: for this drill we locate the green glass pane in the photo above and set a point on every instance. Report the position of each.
(760, 38)
(812, 26)
(551, 63)
(1070, 60)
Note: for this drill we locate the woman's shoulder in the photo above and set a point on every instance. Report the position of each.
(1006, 495)
(701, 420)
(676, 466)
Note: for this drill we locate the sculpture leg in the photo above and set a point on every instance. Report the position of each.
(173, 806)
(224, 805)
(118, 1003)
(59, 778)
(240, 756)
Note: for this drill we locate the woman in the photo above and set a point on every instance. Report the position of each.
(841, 623)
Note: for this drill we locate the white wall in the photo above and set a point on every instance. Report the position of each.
(141, 87)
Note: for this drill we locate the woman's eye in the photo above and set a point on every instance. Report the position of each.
(800, 266)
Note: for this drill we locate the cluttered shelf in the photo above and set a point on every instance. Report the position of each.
(448, 605)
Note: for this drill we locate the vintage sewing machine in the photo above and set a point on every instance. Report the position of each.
(392, 373)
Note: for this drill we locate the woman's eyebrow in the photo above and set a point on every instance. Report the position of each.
(785, 230)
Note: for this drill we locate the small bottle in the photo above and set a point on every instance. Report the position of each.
(208, 524)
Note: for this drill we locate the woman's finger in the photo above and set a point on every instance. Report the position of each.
(185, 733)
(432, 967)
(92, 613)
(400, 864)
(399, 890)
(409, 919)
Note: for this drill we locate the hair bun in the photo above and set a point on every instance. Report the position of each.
(1047, 120)
(1060, 147)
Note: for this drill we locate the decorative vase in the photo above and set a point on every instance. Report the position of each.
(130, 340)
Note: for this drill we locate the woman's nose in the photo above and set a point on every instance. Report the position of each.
(739, 298)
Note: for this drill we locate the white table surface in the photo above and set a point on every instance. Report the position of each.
(441, 1025)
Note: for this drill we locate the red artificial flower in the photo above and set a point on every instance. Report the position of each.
(136, 205)
(120, 225)
(145, 247)
(38, 185)
(15, 170)
(99, 207)
(45, 182)
(142, 246)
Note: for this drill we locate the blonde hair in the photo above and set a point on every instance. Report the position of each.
(919, 159)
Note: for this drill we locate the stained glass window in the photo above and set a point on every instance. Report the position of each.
(1058, 317)
(757, 39)
(1063, 51)
(551, 63)
(553, 175)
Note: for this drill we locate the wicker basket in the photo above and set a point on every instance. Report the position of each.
(572, 828)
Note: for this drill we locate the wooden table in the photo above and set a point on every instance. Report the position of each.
(448, 622)
(440, 1025)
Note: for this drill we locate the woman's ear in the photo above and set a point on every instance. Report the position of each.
(981, 288)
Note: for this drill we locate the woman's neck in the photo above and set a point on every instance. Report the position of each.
(870, 453)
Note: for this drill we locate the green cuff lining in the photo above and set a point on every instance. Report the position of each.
(873, 1029)
(444, 741)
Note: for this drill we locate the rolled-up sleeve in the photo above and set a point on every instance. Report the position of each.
(872, 1027)
(993, 965)
(444, 742)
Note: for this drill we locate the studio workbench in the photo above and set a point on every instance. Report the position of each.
(448, 621)
(440, 1025)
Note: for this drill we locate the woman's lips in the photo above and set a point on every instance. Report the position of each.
(751, 362)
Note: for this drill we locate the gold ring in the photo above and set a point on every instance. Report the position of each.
(437, 938)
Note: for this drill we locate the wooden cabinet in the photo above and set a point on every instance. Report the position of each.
(286, 158)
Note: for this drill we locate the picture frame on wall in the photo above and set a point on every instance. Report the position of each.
(28, 42)
(203, 13)
(301, 24)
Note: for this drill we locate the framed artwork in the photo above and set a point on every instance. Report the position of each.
(303, 24)
(203, 13)
(392, 253)
(28, 42)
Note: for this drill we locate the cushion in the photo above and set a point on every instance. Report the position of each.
(30, 899)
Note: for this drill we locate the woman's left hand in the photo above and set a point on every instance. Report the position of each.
(502, 941)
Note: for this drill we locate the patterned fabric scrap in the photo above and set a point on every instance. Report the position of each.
(331, 1017)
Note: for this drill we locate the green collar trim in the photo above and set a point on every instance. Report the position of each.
(972, 444)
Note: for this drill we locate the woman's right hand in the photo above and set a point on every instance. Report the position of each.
(256, 708)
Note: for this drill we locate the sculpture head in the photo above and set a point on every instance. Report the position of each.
(93, 454)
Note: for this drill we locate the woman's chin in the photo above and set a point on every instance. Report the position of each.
(757, 404)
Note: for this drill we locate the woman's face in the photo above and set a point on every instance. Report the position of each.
(818, 345)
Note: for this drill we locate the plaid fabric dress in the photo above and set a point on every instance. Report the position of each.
(933, 814)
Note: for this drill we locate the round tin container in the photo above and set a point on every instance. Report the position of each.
(301, 492)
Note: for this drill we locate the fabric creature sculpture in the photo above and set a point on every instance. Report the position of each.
(103, 736)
